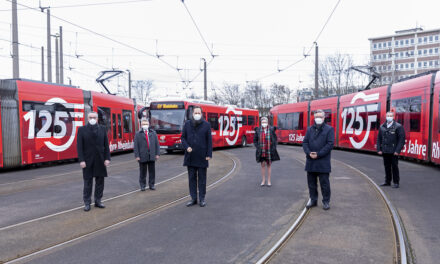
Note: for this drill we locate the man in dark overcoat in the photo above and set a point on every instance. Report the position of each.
(94, 157)
(197, 143)
(318, 144)
(390, 142)
(146, 152)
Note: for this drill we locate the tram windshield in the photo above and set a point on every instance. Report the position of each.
(167, 121)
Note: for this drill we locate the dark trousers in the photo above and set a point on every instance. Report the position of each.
(391, 163)
(324, 181)
(197, 177)
(143, 166)
(88, 186)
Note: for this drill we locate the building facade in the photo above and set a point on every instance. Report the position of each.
(405, 53)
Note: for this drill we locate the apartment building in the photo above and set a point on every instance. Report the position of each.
(405, 53)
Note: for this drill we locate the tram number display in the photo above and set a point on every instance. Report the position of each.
(358, 120)
(53, 119)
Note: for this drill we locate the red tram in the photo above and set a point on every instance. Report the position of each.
(39, 121)
(230, 126)
(356, 117)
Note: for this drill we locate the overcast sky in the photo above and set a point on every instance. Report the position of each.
(252, 38)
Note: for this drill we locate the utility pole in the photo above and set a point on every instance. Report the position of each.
(205, 81)
(316, 71)
(61, 57)
(129, 84)
(42, 64)
(15, 61)
(57, 61)
(49, 49)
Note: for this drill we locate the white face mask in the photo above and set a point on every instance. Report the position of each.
(145, 127)
(264, 125)
(390, 118)
(92, 122)
(319, 120)
(197, 117)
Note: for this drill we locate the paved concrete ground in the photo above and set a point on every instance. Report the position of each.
(417, 200)
(240, 222)
(47, 190)
(357, 228)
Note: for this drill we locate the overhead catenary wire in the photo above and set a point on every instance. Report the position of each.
(86, 5)
(310, 49)
(108, 38)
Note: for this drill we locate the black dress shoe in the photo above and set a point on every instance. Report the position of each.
(142, 189)
(396, 185)
(325, 206)
(152, 188)
(385, 184)
(87, 207)
(202, 203)
(191, 203)
(99, 205)
(311, 204)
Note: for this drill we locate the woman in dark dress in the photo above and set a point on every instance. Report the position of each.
(265, 141)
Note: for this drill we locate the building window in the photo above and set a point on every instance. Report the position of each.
(397, 54)
(401, 66)
(436, 38)
(425, 64)
(397, 43)
(412, 41)
(436, 50)
(425, 52)
(419, 64)
(430, 51)
(425, 39)
(406, 65)
(407, 41)
(374, 57)
(419, 52)
(420, 40)
(374, 46)
(412, 65)
(430, 63)
(389, 67)
(389, 42)
(380, 45)
(402, 55)
(401, 42)
(431, 38)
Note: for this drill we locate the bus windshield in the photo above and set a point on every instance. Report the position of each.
(167, 121)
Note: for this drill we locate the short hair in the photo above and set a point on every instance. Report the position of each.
(197, 107)
(319, 111)
(264, 119)
(92, 112)
(390, 112)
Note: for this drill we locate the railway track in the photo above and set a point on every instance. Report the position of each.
(27, 256)
(401, 244)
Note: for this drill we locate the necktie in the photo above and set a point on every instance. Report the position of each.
(148, 143)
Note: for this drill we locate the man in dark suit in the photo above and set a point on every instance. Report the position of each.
(390, 142)
(146, 152)
(197, 142)
(318, 144)
(94, 157)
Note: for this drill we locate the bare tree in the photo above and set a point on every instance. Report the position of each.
(257, 97)
(280, 94)
(335, 76)
(141, 90)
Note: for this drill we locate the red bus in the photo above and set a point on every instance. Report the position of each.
(230, 126)
(39, 121)
(356, 117)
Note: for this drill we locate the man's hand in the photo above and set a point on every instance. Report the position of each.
(379, 152)
(107, 163)
(82, 164)
(157, 157)
(313, 155)
(138, 159)
(396, 154)
(189, 149)
(208, 158)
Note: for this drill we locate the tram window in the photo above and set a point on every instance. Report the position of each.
(119, 126)
(409, 108)
(282, 121)
(126, 114)
(251, 120)
(104, 117)
(244, 120)
(114, 126)
(213, 120)
(234, 120)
